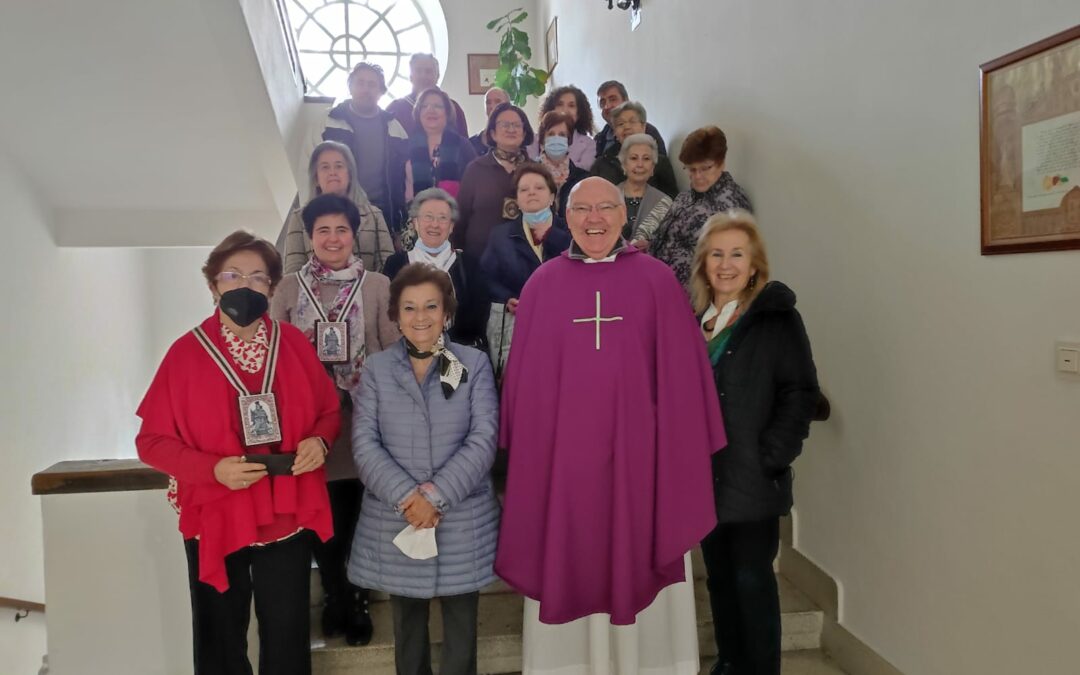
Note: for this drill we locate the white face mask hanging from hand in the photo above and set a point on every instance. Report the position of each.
(418, 544)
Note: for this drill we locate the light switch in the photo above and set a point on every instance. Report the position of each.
(1068, 360)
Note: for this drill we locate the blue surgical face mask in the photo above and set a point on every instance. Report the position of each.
(432, 251)
(537, 217)
(556, 147)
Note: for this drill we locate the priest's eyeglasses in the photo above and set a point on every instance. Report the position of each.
(254, 280)
(604, 209)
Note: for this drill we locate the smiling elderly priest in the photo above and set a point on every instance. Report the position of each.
(610, 416)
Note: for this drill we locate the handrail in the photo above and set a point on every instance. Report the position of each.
(22, 607)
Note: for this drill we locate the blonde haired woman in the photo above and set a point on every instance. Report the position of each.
(768, 393)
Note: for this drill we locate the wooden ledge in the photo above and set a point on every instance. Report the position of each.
(97, 475)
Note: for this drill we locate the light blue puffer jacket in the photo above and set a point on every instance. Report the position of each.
(405, 434)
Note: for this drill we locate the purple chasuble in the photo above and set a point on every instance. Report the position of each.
(610, 479)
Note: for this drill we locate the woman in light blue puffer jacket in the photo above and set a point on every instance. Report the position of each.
(425, 423)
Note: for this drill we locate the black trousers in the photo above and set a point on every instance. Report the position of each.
(333, 554)
(743, 595)
(412, 646)
(279, 576)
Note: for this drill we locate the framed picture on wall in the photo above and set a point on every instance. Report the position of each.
(482, 69)
(1029, 147)
(551, 45)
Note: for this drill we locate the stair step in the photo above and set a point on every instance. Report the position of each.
(499, 632)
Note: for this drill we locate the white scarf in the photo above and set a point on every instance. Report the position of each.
(444, 259)
(723, 317)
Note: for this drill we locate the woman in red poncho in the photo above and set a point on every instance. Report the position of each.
(241, 413)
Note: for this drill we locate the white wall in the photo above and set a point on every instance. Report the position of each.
(466, 25)
(72, 364)
(135, 618)
(942, 493)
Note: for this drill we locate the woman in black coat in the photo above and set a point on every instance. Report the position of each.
(432, 215)
(768, 390)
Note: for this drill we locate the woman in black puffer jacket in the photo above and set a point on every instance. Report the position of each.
(768, 390)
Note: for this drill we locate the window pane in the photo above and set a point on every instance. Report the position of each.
(334, 35)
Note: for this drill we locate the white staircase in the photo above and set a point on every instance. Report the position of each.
(499, 641)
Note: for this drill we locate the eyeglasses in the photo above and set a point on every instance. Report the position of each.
(432, 106)
(257, 279)
(699, 170)
(604, 209)
(428, 219)
(509, 126)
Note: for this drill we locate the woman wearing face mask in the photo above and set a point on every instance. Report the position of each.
(516, 249)
(424, 431)
(573, 103)
(341, 308)
(241, 414)
(432, 215)
(646, 206)
(556, 130)
(332, 170)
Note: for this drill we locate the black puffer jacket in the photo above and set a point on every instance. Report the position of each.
(768, 392)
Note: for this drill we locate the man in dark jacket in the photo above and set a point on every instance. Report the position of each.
(492, 99)
(378, 142)
(609, 96)
(424, 74)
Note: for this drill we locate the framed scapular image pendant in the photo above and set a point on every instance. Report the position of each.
(259, 416)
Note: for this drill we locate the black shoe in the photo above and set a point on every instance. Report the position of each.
(333, 616)
(358, 625)
(722, 668)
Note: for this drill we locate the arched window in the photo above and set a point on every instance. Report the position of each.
(332, 36)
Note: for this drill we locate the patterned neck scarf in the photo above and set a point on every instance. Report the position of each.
(451, 371)
(725, 317)
(316, 275)
(560, 170)
(511, 158)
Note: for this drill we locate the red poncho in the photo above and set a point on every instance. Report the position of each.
(191, 420)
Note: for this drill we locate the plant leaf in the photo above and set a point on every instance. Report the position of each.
(520, 17)
(491, 24)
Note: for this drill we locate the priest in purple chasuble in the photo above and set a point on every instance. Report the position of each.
(610, 418)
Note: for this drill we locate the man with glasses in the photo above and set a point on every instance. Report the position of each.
(424, 74)
(492, 99)
(610, 418)
(378, 142)
(609, 96)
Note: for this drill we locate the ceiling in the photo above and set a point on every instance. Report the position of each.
(149, 122)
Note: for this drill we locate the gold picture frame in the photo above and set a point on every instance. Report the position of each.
(1029, 141)
(551, 45)
(482, 68)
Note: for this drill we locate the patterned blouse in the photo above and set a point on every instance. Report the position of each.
(248, 356)
(677, 235)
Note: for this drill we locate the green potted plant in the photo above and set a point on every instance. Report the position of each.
(515, 75)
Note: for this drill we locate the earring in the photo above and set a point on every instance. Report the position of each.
(753, 282)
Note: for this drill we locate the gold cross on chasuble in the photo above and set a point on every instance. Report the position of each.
(598, 319)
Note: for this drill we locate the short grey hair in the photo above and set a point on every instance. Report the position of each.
(433, 194)
(639, 139)
(630, 106)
